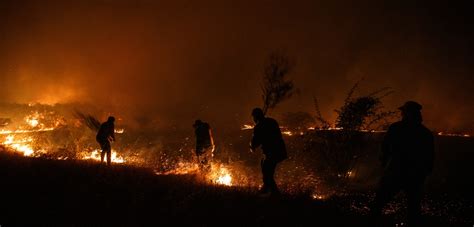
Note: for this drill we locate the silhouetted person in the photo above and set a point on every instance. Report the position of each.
(105, 135)
(407, 158)
(204, 144)
(267, 134)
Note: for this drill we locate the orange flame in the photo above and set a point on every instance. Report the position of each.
(220, 175)
(95, 155)
(247, 127)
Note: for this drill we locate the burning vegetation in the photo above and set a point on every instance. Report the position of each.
(46, 133)
(316, 168)
(59, 132)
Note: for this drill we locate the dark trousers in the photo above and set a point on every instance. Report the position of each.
(268, 172)
(391, 185)
(106, 149)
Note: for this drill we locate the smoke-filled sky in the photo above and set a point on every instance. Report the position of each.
(175, 61)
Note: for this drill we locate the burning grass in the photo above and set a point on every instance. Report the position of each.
(83, 192)
(58, 192)
(234, 172)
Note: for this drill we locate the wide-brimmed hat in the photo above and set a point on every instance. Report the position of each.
(410, 106)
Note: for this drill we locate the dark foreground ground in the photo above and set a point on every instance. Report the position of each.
(76, 193)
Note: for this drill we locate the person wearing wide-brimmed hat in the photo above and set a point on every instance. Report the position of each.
(407, 158)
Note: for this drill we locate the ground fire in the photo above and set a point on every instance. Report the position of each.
(23, 140)
(38, 135)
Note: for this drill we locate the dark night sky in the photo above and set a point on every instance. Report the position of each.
(178, 60)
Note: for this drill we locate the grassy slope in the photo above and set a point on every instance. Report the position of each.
(49, 192)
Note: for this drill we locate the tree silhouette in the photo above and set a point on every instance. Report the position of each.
(364, 111)
(341, 149)
(275, 87)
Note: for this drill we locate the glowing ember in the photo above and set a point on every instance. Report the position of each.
(288, 133)
(119, 131)
(32, 122)
(350, 173)
(180, 169)
(221, 175)
(318, 196)
(95, 155)
(32, 119)
(218, 174)
(247, 127)
(372, 131)
(453, 134)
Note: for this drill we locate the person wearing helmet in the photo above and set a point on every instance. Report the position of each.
(104, 136)
(407, 159)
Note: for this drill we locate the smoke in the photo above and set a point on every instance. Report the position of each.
(170, 62)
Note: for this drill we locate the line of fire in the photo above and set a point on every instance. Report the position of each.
(32, 135)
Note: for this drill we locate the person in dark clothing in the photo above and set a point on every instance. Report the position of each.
(407, 158)
(204, 144)
(105, 135)
(267, 134)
